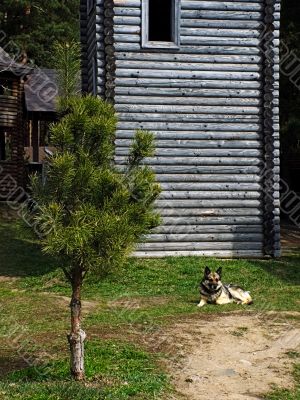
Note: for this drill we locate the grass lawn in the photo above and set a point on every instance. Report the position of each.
(121, 313)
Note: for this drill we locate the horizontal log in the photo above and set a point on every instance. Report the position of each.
(127, 11)
(235, 50)
(193, 229)
(8, 113)
(129, 3)
(99, 17)
(189, 109)
(127, 38)
(8, 99)
(189, 66)
(127, 29)
(244, 96)
(190, 58)
(208, 195)
(209, 212)
(7, 123)
(217, 152)
(187, 118)
(223, 15)
(176, 246)
(217, 41)
(200, 253)
(206, 126)
(210, 220)
(222, 6)
(121, 20)
(209, 203)
(228, 178)
(186, 100)
(220, 23)
(165, 121)
(195, 135)
(198, 144)
(195, 40)
(169, 74)
(205, 237)
(212, 186)
(199, 93)
(188, 83)
(195, 161)
(221, 32)
(213, 170)
(218, 195)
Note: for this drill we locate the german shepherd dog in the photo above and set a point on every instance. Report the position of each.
(213, 291)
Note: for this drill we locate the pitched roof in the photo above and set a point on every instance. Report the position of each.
(41, 91)
(41, 86)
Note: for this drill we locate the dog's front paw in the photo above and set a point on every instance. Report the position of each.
(202, 303)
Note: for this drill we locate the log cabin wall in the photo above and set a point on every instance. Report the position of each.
(12, 128)
(212, 104)
(83, 39)
(92, 39)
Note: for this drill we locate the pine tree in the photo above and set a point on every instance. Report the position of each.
(91, 214)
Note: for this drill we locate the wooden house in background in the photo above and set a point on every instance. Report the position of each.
(203, 76)
(12, 125)
(41, 91)
(27, 106)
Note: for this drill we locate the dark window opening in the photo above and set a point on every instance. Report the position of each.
(5, 146)
(160, 21)
(38, 141)
(6, 87)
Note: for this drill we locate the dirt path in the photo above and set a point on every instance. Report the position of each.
(290, 238)
(232, 357)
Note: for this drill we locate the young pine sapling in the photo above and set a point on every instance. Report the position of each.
(90, 213)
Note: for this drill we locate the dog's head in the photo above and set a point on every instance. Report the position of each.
(213, 279)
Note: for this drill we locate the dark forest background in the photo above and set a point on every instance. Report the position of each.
(32, 26)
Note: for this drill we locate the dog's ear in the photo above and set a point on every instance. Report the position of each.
(207, 271)
(219, 271)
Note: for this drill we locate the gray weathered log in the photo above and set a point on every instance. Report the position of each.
(212, 104)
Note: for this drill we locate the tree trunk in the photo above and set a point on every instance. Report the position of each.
(77, 336)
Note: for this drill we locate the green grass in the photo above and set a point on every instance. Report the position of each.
(285, 394)
(123, 308)
(114, 371)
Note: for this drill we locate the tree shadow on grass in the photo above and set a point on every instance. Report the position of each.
(9, 364)
(286, 269)
(20, 255)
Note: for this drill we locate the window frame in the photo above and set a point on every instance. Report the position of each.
(7, 87)
(176, 18)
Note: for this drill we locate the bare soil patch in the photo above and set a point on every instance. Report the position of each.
(290, 238)
(9, 279)
(135, 303)
(64, 302)
(231, 357)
